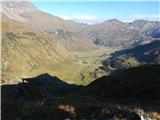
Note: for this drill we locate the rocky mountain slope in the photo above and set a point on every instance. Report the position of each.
(148, 53)
(27, 50)
(149, 28)
(57, 27)
(114, 33)
(124, 59)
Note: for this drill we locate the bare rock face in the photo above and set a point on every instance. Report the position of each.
(18, 6)
(17, 9)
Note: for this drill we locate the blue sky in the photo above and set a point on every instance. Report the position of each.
(94, 11)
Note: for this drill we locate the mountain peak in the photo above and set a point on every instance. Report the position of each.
(18, 6)
(113, 21)
(16, 9)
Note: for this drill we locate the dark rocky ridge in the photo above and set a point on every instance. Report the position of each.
(139, 84)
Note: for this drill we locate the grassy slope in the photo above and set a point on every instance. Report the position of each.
(27, 53)
(70, 72)
(89, 61)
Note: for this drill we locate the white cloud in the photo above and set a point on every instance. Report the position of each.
(82, 18)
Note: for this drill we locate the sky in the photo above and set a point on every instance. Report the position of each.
(98, 11)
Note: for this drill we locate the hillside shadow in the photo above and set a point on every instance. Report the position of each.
(21, 100)
(65, 99)
(139, 52)
(33, 95)
(41, 86)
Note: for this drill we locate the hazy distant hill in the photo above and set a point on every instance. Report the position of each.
(114, 33)
(149, 28)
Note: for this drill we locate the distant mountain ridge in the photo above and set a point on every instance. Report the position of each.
(115, 33)
(149, 28)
